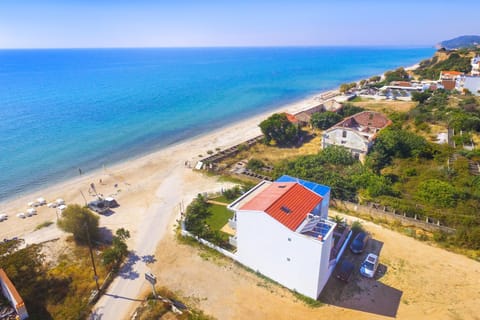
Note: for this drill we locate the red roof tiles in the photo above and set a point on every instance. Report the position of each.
(291, 118)
(287, 202)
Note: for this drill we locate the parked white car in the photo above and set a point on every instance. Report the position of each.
(369, 266)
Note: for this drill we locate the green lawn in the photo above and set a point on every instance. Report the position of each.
(222, 199)
(219, 217)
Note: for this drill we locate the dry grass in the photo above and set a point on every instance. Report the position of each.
(387, 106)
(272, 154)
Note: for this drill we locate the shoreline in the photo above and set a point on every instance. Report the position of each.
(118, 173)
(75, 189)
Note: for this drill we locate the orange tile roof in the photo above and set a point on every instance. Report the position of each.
(451, 73)
(4, 278)
(291, 118)
(287, 202)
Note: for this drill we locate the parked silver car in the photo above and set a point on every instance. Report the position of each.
(369, 266)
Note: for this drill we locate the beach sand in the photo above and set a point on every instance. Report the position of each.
(134, 182)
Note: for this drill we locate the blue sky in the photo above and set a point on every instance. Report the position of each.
(149, 23)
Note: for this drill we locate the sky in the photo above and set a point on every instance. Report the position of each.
(207, 23)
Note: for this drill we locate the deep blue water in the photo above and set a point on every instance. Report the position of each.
(61, 110)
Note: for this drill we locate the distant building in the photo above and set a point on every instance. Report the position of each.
(305, 116)
(475, 66)
(469, 83)
(450, 75)
(356, 133)
(10, 293)
(292, 119)
(282, 231)
(332, 106)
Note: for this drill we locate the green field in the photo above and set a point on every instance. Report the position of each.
(219, 217)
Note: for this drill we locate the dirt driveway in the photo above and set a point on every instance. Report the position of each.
(416, 281)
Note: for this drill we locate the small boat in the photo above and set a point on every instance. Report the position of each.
(21, 215)
(60, 201)
(41, 201)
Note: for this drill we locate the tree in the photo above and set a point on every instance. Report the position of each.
(349, 109)
(421, 97)
(277, 128)
(197, 212)
(324, 120)
(80, 221)
(336, 155)
(114, 255)
(396, 75)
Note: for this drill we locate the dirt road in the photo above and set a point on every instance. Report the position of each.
(417, 281)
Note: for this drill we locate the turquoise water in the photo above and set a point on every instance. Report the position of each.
(61, 110)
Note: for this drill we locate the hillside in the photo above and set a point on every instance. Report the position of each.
(445, 60)
(460, 42)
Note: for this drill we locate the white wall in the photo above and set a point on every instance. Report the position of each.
(325, 204)
(264, 246)
(353, 140)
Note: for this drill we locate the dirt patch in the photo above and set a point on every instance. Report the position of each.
(415, 281)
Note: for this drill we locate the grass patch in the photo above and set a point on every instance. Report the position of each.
(312, 303)
(222, 199)
(71, 302)
(219, 217)
(43, 225)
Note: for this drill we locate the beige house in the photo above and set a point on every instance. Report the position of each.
(356, 133)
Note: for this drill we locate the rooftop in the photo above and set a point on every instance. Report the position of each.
(315, 187)
(367, 122)
(287, 202)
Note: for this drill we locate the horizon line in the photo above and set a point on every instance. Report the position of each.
(228, 47)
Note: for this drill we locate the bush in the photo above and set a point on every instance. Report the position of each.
(357, 226)
(81, 222)
(437, 192)
(255, 165)
(233, 193)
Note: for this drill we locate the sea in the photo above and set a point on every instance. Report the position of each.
(65, 109)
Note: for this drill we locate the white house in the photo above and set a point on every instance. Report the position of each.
(11, 294)
(475, 66)
(469, 83)
(356, 133)
(282, 232)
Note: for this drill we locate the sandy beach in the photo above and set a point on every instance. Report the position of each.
(134, 182)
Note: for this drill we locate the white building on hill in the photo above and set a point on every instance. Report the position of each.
(282, 232)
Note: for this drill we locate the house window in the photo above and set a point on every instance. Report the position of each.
(285, 209)
(344, 134)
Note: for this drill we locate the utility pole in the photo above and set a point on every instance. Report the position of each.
(91, 256)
